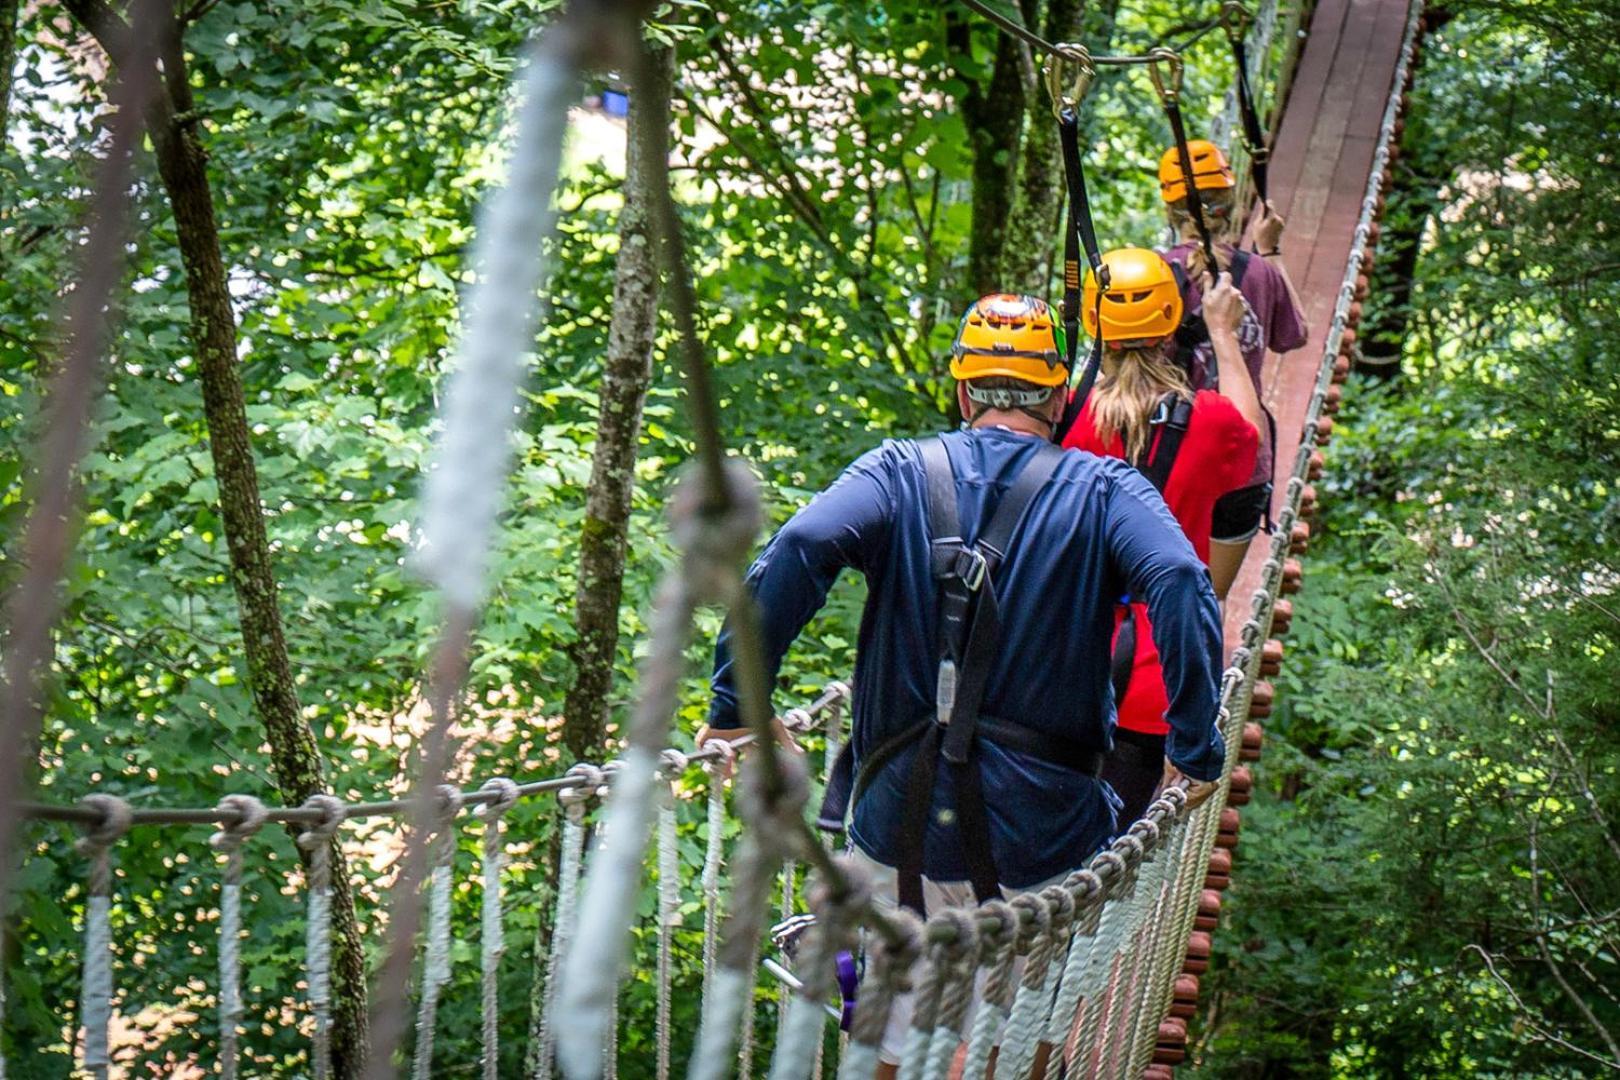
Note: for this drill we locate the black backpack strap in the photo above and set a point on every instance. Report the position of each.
(1172, 418)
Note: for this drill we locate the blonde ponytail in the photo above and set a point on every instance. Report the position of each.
(1219, 206)
(1132, 384)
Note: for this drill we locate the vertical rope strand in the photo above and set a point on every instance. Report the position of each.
(95, 998)
(713, 857)
(491, 938)
(249, 815)
(575, 802)
(318, 841)
(669, 911)
(436, 962)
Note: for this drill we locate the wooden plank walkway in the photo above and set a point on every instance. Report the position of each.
(1320, 166)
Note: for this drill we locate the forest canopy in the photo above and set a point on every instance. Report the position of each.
(1430, 877)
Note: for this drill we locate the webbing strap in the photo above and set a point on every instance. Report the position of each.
(1195, 204)
(1259, 152)
(1081, 232)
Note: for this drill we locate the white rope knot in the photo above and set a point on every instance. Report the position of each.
(727, 752)
(1033, 920)
(1147, 833)
(1062, 906)
(1109, 869)
(798, 720)
(246, 816)
(673, 764)
(334, 812)
(445, 803)
(113, 819)
(506, 794)
(715, 539)
(576, 800)
(840, 690)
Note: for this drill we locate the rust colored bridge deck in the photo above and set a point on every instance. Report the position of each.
(1320, 165)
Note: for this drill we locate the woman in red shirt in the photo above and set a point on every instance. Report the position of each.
(1194, 446)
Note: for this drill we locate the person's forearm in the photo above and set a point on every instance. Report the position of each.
(1235, 382)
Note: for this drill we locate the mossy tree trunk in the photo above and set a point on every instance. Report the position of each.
(295, 755)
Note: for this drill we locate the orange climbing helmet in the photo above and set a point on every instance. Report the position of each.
(1211, 170)
(1010, 335)
(1142, 301)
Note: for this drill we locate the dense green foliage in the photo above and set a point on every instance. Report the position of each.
(825, 183)
(1443, 771)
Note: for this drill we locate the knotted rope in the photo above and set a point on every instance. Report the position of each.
(961, 955)
(835, 930)
(713, 857)
(575, 803)
(674, 765)
(943, 938)
(713, 545)
(1004, 932)
(436, 963)
(318, 840)
(888, 974)
(492, 941)
(249, 814)
(1029, 1003)
(1089, 893)
(95, 1006)
(770, 804)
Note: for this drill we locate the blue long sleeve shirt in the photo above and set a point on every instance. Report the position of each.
(1097, 531)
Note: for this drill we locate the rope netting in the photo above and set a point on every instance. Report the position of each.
(1084, 972)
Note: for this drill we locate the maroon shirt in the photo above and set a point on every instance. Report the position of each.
(1270, 321)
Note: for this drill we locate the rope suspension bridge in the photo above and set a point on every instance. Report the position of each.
(1101, 969)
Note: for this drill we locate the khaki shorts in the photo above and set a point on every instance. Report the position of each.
(937, 895)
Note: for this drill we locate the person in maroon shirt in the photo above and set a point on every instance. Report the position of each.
(1197, 446)
(1272, 316)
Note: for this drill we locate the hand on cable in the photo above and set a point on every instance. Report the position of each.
(1223, 305)
(741, 736)
(1268, 228)
(1198, 791)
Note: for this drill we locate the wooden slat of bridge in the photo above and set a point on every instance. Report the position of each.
(1321, 161)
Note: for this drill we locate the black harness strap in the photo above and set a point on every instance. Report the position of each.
(1172, 418)
(1195, 204)
(1081, 231)
(1259, 152)
(969, 639)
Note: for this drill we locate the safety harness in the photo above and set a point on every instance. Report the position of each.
(1170, 419)
(969, 625)
(1193, 333)
(1169, 91)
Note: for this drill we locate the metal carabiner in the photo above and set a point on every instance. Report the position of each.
(1235, 19)
(1084, 72)
(1170, 94)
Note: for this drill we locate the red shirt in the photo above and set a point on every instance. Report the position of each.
(1217, 456)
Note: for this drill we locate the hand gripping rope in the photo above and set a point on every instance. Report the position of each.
(1169, 91)
(250, 814)
(1235, 19)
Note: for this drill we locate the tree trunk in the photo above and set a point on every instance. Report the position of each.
(994, 115)
(626, 375)
(1037, 214)
(295, 756)
(8, 60)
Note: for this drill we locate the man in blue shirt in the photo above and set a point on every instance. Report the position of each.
(1094, 532)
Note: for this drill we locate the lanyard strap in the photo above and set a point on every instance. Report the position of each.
(1081, 232)
(1170, 95)
(1235, 18)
